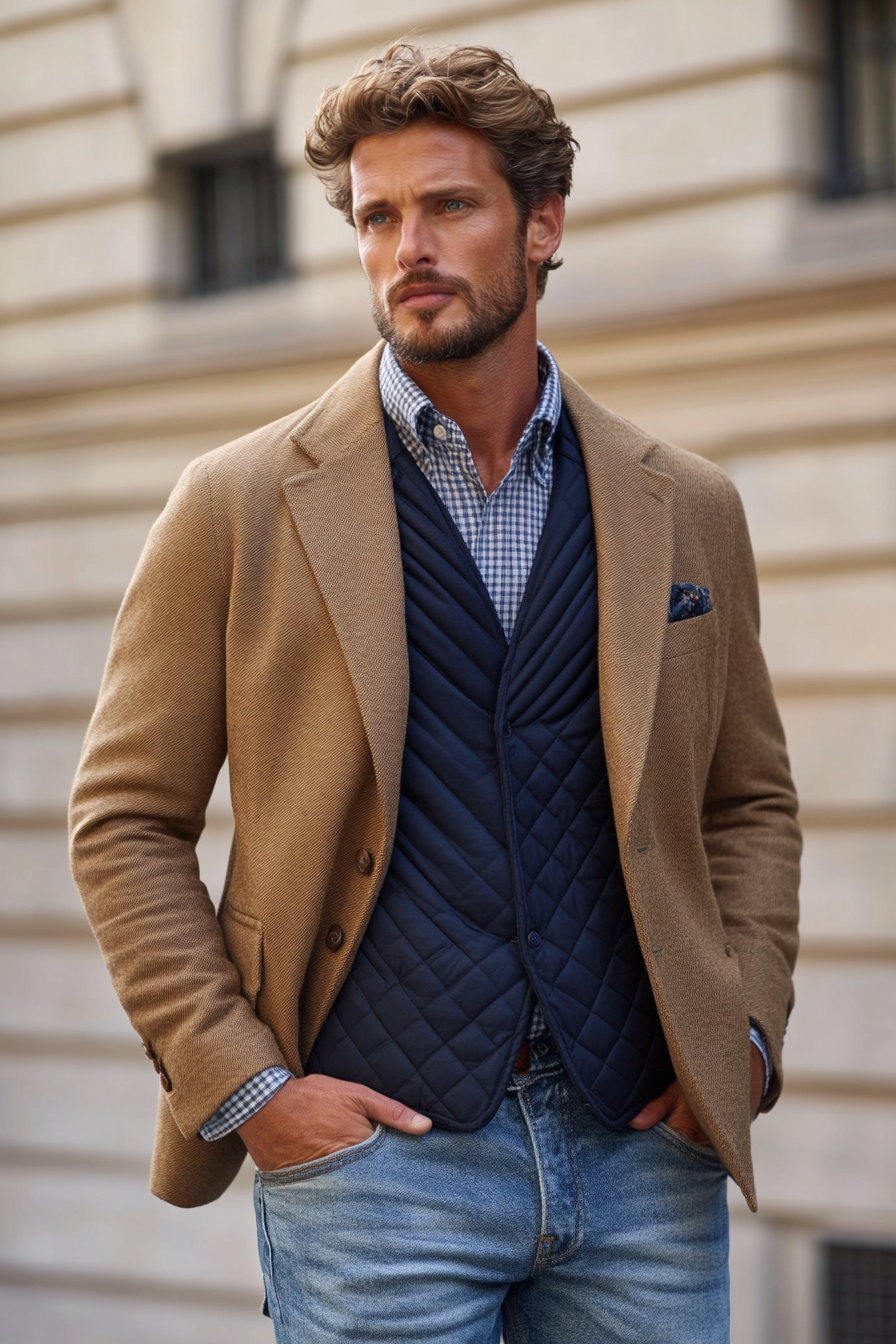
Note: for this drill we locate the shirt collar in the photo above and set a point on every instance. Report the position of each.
(414, 415)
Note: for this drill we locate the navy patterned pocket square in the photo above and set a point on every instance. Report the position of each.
(687, 600)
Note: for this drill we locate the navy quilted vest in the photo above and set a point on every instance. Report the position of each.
(505, 881)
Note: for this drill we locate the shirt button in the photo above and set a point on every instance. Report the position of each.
(335, 938)
(364, 861)
(440, 432)
(534, 939)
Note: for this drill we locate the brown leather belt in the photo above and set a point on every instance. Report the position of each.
(523, 1059)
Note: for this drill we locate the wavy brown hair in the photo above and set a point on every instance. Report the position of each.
(475, 87)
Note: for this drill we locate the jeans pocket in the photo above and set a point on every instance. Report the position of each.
(319, 1166)
(688, 1147)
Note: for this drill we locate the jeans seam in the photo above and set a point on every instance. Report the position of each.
(526, 1108)
(512, 1318)
(270, 1286)
(581, 1214)
(581, 1220)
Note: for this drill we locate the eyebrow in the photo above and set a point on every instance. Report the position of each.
(382, 203)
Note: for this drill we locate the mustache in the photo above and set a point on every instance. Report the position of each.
(454, 283)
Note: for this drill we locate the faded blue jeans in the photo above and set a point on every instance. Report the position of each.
(543, 1224)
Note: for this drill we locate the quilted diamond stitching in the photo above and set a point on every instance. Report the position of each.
(438, 992)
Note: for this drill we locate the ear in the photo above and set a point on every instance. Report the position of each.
(544, 229)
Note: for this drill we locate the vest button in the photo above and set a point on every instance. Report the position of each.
(335, 938)
(364, 861)
(534, 939)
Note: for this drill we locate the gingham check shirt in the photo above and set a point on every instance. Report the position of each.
(502, 531)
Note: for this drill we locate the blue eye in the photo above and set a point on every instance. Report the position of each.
(378, 218)
(454, 205)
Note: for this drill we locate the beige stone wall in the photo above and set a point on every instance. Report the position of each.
(707, 294)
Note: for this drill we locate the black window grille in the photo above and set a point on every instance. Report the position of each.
(232, 204)
(861, 96)
(860, 1291)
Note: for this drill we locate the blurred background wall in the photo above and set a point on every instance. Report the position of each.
(171, 277)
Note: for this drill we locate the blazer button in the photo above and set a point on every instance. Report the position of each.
(364, 861)
(335, 938)
(149, 1052)
(164, 1080)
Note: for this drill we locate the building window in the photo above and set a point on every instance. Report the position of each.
(860, 1288)
(861, 96)
(229, 203)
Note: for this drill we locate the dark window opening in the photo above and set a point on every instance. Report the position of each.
(860, 1292)
(861, 97)
(231, 202)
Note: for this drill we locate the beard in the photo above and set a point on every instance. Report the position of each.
(489, 314)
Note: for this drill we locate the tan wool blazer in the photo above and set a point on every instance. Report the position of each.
(265, 625)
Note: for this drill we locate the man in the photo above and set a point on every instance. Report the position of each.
(502, 969)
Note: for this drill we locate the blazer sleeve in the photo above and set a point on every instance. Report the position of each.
(751, 836)
(154, 748)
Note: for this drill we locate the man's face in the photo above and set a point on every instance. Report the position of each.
(440, 241)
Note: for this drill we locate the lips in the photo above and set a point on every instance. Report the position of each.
(424, 296)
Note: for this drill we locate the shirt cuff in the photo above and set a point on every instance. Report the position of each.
(242, 1104)
(757, 1039)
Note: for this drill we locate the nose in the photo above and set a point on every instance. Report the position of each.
(416, 248)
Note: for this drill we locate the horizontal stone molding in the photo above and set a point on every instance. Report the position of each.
(78, 303)
(73, 205)
(826, 562)
(81, 107)
(150, 1290)
(56, 508)
(46, 711)
(823, 688)
(811, 437)
(49, 928)
(57, 1046)
(882, 818)
(21, 1158)
(847, 949)
(458, 16)
(58, 609)
(839, 1087)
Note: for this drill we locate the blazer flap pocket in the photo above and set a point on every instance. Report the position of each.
(685, 636)
(243, 939)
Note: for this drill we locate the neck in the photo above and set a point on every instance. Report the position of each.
(492, 397)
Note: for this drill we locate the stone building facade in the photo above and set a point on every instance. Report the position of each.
(723, 287)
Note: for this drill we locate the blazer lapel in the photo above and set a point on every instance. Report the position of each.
(633, 524)
(343, 507)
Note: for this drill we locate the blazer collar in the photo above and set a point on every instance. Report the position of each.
(633, 524)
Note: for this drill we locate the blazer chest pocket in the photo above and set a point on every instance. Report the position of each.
(244, 942)
(686, 636)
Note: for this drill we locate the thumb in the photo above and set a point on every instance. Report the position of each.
(387, 1111)
(657, 1109)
